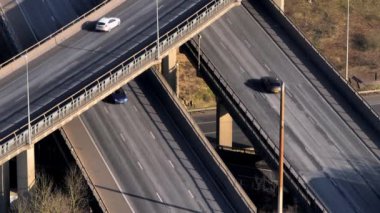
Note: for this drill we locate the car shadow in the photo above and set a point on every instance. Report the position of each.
(89, 26)
(109, 100)
(255, 84)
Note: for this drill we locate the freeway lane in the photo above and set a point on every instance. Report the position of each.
(150, 158)
(83, 57)
(331, 158)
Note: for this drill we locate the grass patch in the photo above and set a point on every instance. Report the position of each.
(193, 90)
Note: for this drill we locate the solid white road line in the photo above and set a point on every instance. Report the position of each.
(108, 168)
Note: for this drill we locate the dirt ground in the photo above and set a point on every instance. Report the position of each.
(324, 22)
(193, 90)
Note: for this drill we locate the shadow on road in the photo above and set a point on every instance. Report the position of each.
(255, 84)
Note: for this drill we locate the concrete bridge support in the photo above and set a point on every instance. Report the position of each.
(25, 171)
(4, 187)
(169, 69)
(224, 125)
(280, 4)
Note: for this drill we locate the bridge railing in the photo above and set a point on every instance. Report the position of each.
(53, 34)
(250, 119)
(104, 85)
(329, 70)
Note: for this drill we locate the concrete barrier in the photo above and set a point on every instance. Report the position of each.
(203, 149)
(56, 38)
(342, 86)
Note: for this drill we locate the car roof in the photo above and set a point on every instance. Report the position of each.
(104, 19)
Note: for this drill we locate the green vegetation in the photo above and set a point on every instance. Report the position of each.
(324, 24)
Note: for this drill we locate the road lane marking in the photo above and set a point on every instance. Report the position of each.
(159, 196)
(221, 44)
(151, 133)
(122, 137)
(138, 162)
(171, 164)
(134, 107)
(105, 163)
(191, 194)
(242, 69)
(267, 67)
(247, 43)
(129, 28)
(106, 110)
(19, 98)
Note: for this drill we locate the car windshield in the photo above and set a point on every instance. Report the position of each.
(101, 23)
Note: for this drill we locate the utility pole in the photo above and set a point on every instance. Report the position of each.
(158, 32)
(348, 37)
(199, 52)
(281, 153)
(28, 100)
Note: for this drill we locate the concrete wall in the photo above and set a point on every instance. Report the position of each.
(201, 146)
(352, 97)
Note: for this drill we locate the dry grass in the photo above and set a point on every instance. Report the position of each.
(324, 23)
(192, 89)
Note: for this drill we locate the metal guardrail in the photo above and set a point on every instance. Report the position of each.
(209, 148)
(103, 84)
(19, 55)
(250, 119)
(84, 172)
(325, 60)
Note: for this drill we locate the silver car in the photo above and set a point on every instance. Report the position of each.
(107, 23)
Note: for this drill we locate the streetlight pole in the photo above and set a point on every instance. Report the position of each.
(28, 100)
(158, 32)
(348, 36)
(199, 52)
(281, 153)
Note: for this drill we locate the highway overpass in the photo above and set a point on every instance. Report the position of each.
(138, 159)
(75, 74)
(332, 149)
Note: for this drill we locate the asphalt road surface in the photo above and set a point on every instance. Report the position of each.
(374, 101)
(156, 169)
(342, 169)
(82, 57)
(33, 20)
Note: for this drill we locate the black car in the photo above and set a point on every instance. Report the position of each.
(119, 96)
(272, 84)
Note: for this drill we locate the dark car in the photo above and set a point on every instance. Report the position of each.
(119, 96)
(272, 84)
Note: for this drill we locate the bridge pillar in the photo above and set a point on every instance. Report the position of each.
(169, 69)
(280, 4)
(224, 125)
(4, 187)
(25, 171)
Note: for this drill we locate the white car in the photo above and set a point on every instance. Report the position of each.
(107, 23)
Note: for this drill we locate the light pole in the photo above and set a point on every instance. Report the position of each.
(281, 153)
(158, 32)
(199, 52)
(348, 36)
(28, 100)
